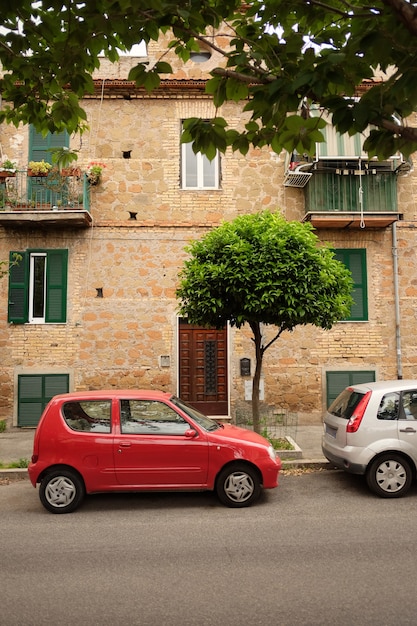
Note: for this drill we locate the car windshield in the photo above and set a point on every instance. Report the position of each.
(345, 403)
(202, 420)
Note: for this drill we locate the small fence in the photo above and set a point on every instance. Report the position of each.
(275, 423)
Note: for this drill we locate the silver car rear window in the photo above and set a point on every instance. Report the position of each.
(345, 403)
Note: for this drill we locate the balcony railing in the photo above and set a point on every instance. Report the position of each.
(352, 193)
(26, 199)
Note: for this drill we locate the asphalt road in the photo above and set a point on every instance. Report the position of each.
(318, 550)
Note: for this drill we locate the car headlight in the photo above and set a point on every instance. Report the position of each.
(272, 453)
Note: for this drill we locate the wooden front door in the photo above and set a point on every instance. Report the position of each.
(203, 368)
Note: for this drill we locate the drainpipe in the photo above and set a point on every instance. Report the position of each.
(397, 302)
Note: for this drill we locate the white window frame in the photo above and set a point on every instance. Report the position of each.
(201, 162)
(32, 319)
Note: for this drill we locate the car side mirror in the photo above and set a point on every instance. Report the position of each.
(190, 433)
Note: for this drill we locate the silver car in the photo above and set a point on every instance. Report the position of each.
(371, 429)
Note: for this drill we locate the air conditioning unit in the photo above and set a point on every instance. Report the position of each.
(296, 178)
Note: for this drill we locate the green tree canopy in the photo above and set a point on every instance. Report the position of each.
(281, 57)
(261, 269)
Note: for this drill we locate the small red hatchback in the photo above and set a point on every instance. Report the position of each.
(102, 441)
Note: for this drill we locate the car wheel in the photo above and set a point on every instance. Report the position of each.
(389, 476)
(61, 491)
(238, 486)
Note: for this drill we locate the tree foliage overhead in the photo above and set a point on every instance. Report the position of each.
(281, 57)
(49, 49)
(261, 269)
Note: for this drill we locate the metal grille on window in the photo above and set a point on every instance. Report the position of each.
(210, 366)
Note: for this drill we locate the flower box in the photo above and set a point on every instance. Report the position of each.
(7, 173)
(37, 174)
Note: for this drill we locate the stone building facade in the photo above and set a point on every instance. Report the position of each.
(121, 327)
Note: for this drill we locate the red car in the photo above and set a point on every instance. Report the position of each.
(101, 441)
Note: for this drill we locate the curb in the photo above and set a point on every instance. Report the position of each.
(307, 463)
(14, 473)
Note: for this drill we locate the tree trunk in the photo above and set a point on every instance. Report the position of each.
(257, 338)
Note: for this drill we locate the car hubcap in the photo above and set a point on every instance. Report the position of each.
(60, 491)
(391, 476)
(239, 487)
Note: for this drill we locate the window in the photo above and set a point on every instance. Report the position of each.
(34, 393)
(355, 261)
(409, 405)
(201, 56)
(388, 409)
(88, 415)
(147, 417)
(198, 172)
(345, 404)
(336, 382)
(398, 406)
(38, 287)
(40, 146)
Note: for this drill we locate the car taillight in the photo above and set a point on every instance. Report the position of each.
(34, 458)
(357, 415)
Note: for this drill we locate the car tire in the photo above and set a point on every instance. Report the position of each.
(238, 486)
(389, 476)
(61, 491)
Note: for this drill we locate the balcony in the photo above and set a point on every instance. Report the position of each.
(51, 201)
(343, 188)
(352, 193)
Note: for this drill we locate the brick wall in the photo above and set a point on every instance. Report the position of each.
(116, 340)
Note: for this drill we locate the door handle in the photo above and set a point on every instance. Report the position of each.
(410, 429)
(124, 444)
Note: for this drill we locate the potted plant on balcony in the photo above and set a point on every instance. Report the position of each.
(62, 158)
(39, 168)
(94, 172)
(8, 168)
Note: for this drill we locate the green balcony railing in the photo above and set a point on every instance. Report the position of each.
(338, 192)
(56, 191)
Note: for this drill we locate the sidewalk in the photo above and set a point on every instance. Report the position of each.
(16, 444)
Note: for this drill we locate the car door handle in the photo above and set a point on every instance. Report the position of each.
(124, 444)
(410, 429)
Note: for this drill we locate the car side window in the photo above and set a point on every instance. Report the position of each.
(389, 407)
(88, 415)
(149, 417)
(409, 411)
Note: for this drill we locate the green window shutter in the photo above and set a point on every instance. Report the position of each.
(56, 286)
(356, 378)
(30, 404)
(39, 145)
(34, 393)
(18, 289)
(337, 381)
(38, 151)
(355, 261)
(55, 384)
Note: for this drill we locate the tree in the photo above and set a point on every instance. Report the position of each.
(261, 269)
(281, 57)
